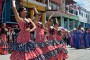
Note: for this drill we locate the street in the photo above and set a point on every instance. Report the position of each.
(74, 54)
(78, 54)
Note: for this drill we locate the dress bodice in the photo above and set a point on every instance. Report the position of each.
(52, 35)
(58, 37)
(39, 34)
(23, 36)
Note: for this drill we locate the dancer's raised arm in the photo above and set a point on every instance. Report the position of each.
(51, 15)
(34, 26)
(35, 10)
(15, 11)
(49, 20)
(37, 15)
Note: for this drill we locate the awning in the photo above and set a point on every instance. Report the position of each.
(62, 14)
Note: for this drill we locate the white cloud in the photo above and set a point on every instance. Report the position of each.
(84, 3)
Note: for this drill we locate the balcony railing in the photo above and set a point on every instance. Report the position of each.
(36, 2)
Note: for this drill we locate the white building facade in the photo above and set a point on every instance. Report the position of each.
(82, 13)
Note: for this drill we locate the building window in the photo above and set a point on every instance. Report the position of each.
(51, 6)
(17, 0)
(46, 1)
(71, 11)
(66, 8)
(79, 12)
(76, 13)
(55, 6)
(38, 0)
(86, 16)
(63, 1)
(82, 14)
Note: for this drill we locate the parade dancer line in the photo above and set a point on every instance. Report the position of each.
(53, 42)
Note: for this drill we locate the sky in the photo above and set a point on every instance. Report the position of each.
(84, 3)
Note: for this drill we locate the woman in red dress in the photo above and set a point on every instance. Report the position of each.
(24, 48)
(58, 36)
(54, 38)
(41, 39)
(4, 44)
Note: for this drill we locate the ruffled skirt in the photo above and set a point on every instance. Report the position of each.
(3, 48)
(26, 51)
(52, 48)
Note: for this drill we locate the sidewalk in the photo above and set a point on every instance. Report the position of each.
(5, 57)
(78, 54)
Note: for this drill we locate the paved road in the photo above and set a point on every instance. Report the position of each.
(4, 57)
(78, 54)
(74, 54)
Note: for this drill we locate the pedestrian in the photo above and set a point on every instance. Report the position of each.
(89, 36)
(78, 38)
(24, 48)
(86, 38)
(72, 37)
(3, 34)
(16, 30)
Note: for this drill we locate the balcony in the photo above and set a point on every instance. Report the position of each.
(57, 1)
(53, 7)
(35, 2)
(70, 2)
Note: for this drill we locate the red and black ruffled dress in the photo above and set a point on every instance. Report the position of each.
(25, 48)
(62, 51)
(59, 50)
(46, 46)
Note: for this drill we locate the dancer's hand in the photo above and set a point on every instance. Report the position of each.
(17, 17)
(51, 15)
(6, 29)
(35, 10)
(28, 30)
(13, 4)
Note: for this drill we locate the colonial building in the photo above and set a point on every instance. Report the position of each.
(6, 13)
(65, 19)
(79, 11)
(67, 12)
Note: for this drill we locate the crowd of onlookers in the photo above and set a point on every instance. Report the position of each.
(7, 36)
(10, 32)
(80, 38)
